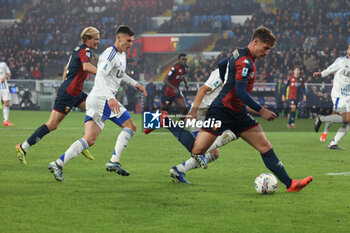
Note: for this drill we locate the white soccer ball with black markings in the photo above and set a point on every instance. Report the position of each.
(266, 183)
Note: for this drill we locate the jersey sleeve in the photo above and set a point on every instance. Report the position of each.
(214, 80)
(171, 72)
(7, 70)
(106, 65)
(243, 69)
(332, 68)
(85, 55)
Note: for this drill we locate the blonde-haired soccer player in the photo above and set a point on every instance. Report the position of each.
(70, 94)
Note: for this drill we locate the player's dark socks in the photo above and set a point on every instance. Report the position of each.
(38, 134)
(275, 165)
(185, 137)
(292, 118)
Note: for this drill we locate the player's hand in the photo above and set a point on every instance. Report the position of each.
(283, 98)
(191, 115)
(267, 114)
(176, 91)
(304, 98)
(187, 88)
(317, 74)
(2, 80)
(114, 105)
(141, 89)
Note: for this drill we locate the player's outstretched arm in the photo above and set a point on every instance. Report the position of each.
(141, 89)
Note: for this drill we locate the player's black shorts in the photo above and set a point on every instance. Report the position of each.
(168, 100)
(65, 102)
(237, 122)
(292, 102)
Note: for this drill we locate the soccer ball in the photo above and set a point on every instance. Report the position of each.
(266, 183)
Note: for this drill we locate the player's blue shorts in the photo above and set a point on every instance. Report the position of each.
(237, 122)
(65, 102)
(292, 102)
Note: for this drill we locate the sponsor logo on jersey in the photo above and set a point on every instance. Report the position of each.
(245, 61)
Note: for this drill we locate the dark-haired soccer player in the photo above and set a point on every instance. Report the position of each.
(70, 94)
(229, 107)
(101, 105)
(170, 91)
(297, 92)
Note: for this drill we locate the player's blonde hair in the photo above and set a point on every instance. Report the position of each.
(88, 33)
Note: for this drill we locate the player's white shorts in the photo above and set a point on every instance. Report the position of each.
(5, 95)
(98, 110)
(341, 104)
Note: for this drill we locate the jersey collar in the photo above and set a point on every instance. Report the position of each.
(115, 49)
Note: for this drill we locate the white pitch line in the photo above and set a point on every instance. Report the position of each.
(339, 174)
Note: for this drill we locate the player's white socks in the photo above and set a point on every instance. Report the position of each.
(327, 126)
(191, 163)
(222, 140)
(122, 141)
(75, 149)
(333, 118)
(6, 113)
(340, 134)
(25, 146)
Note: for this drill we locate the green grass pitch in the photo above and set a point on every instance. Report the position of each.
(221, 199)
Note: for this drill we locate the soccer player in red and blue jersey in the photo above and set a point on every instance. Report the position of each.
(70, 94)
(172, 81)
(229, 107)
(297, 92)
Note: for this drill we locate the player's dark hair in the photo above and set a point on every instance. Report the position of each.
(265, 35)
(182, 55)
(125, 30)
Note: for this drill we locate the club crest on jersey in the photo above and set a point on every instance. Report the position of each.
(67, 109)
(245, 72)
(251, 75)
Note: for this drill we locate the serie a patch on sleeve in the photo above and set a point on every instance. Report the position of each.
(245, 72)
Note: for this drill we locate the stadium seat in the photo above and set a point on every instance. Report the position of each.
(196, 20)
(296, 16)
(104, 20)
(231, 35)
(97, 9)
(340, 15)
(219, 17)
(90, 9)
(348, 40)
(331, 15)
